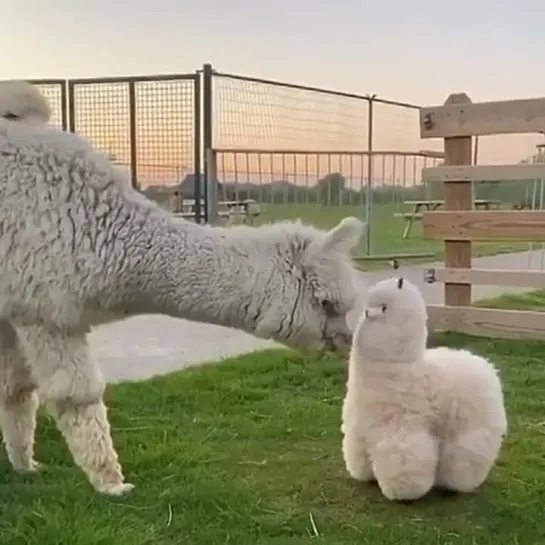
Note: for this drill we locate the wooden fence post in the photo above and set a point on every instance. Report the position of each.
(458, 196)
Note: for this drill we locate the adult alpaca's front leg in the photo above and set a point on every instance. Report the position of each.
(72, 386)
(18, 401)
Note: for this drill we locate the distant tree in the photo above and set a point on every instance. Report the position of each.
(331, 188)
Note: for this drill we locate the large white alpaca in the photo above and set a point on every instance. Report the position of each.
(79, 247)
(414, 418)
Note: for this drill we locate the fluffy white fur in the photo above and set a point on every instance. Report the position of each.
(414, 418)
(79, 247)
(20, 101)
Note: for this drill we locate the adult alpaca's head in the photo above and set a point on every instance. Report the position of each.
(392, 326)
(299, 281)
(21, 101)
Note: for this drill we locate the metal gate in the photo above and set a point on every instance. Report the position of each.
(150, 124)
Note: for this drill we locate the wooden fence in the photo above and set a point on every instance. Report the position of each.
(457, 121)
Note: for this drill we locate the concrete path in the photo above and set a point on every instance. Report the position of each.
(144, 346)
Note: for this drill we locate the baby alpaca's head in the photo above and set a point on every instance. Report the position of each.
(21, 101)
(393, 325)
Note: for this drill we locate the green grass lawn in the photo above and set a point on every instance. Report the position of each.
(386, 230)
(533, 300)
(248, 453)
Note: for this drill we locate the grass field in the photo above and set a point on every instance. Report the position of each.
(386, 230)
(248, 453)
(533, 300)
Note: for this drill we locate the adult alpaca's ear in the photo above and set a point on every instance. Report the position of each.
(344, 236)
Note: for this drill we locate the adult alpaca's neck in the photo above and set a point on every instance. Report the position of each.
(199, 273)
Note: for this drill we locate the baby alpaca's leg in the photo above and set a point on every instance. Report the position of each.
(72, 386)
(356, 458)
(465, 461)
(405, 464)
(18, 401)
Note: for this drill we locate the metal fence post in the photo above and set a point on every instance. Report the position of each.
(207, 130)
(211, 185)
(198, 186)
(370, 174)
(132, 135)
(64, 105)
(71, 105)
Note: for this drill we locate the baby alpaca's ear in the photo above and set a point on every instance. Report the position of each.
(344, 236)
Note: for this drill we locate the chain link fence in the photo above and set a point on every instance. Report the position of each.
(147, 123)
(298, 150)
(265, 114)
(318, 154)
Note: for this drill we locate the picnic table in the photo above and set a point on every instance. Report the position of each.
(432, 205)
(247, 209)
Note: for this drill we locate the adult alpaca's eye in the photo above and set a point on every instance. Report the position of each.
(329, 308)
(383, 308)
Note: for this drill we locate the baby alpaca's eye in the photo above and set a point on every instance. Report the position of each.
(10, 116)
(383, 308)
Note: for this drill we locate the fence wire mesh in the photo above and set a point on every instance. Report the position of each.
(396, 126)
(165, 139)
(323, 187)
(146, 124)
(54, 92)
(100, 112)
(283, 178)
(254, 113)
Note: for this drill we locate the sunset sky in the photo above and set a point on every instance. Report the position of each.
(416, 52)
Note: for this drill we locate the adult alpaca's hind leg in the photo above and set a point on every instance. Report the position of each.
(466, 461)
(18, 401)
(72, 386)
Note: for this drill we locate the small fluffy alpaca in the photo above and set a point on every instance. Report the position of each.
(79, 247)
(414, 418)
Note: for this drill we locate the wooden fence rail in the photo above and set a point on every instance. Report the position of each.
(458, 225)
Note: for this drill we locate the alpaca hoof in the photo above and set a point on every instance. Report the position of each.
(32, 467)
(114, 489)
